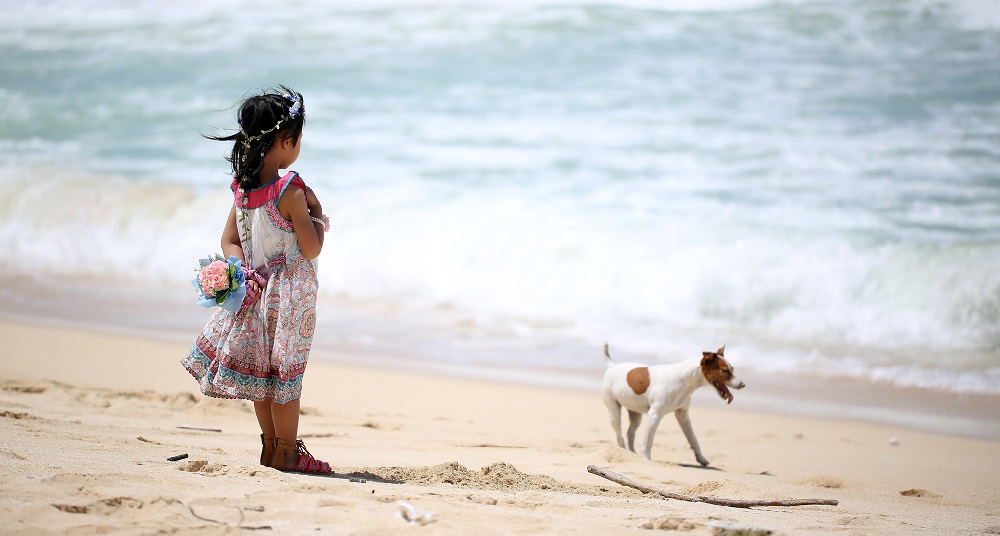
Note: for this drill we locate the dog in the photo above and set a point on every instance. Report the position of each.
(661, 389)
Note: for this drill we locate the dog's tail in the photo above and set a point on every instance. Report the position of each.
(607, 357)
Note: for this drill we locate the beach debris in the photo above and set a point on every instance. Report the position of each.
(894, 441)
(721, 528)
(735, 503)
(200, 429)
(177, 458)
(356, 479)
(413, 516)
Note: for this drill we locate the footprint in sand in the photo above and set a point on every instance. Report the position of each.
(704, 488)
(617, 455)
(917, 492)
(823, 481)
(101, 507)
(217, 511)
(203, 467)
(482, 499)
(16, 415)
(12, 454)
(72, 508)
(670, 523)
(24, 388)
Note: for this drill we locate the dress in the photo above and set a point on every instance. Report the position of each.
(261, 351)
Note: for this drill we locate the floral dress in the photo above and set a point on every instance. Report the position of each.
(261, 350)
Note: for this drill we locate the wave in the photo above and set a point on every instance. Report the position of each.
(782, 176)
(499, 261)
(190, 27)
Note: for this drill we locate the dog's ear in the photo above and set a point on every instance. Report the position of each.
(708, 358)
(722, 350)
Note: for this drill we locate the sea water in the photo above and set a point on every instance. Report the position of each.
(815, 184)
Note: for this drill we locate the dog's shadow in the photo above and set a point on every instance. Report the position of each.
(710, 468)
(702, 467)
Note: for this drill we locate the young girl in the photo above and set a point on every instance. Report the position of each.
(276, 226)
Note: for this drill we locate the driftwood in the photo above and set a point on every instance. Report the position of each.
(735, 503)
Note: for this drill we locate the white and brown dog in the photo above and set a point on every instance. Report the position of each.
(661, 389)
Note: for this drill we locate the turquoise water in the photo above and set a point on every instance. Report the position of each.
(815, 184)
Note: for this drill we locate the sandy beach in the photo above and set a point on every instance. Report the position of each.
(89, 420)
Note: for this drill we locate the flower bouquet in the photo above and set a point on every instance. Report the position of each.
(221, 283)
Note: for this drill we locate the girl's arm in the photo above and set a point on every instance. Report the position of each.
(231, 244)
(299, 210)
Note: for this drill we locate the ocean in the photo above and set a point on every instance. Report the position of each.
(814, 184)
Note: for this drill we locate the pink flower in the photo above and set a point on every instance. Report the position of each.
(214, 278)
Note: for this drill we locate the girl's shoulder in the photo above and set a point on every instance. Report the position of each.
(269, 192)
(292, 178)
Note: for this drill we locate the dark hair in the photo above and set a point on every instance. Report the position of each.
(262, 119)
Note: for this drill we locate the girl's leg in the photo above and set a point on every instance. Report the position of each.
(263, 410)
(290, 454)
(285, 419)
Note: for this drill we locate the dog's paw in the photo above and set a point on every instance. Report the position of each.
(701, 459)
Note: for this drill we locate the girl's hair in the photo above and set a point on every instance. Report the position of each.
(277, 112)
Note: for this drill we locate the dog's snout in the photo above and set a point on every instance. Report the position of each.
(738, 384)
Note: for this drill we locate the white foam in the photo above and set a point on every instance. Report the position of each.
(545, 173)
(62, 223)
(976, 14)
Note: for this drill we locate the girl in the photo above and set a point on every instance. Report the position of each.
(276, 226)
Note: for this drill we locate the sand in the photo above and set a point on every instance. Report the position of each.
(89, 419)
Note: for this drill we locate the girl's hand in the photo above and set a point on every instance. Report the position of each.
(252, 285)
(312, 202)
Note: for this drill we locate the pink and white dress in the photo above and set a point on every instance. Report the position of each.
(261, 350)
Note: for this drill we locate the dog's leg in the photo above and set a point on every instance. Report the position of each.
(684, 420)
(634, 418)
(615, 412)
(653, 421)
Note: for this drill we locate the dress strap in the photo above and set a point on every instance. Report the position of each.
(239, 196)
(290, 178)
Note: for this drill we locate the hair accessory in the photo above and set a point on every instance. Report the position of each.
(293, 112)
(247, 139)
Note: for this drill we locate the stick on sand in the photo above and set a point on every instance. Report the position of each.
(735, 503)
(200, 429)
